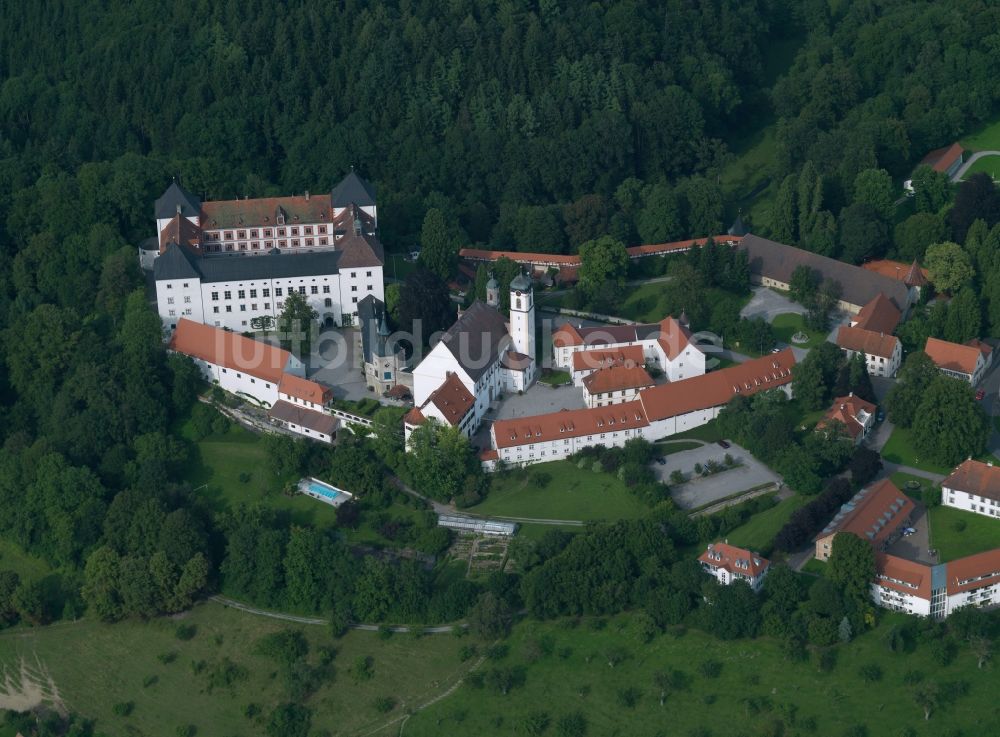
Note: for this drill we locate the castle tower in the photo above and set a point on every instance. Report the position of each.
(522, 316)
(492, 292)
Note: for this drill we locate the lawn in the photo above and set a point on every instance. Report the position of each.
(759, 531)
(535, 532)
(957, 534)
(986, 138)
(900, 450)
(553, 377)
(96, 666)
(987, 165)
(708, 432)
(816, 567)
(25, 565)
(397, 267)
(566, 670)
(789, 323)
(571, 494)
(904, 481)
(669, 446)
(215, 473)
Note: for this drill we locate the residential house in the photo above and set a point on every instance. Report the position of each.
(854, 414)
(729, 564)
(883, 352)
(973, 486)
(587, 362)
(966, 362)
(877, 513)
(946, 160)
(615, 385)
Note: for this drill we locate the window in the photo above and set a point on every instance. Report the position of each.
(170, 286)
(354, 274)
(280, 305)
(302, 290)
(185, 285)
(282, 244)
(216, 309)
(215, 296)
(170, 300)
(229, 308)
(295, 242)
(387, 375)
(267, 233)
(228, 294)
(307, 230)
(281, 231)
(267, 292)
(253, 293)
(243, 308)
(368, 273)
(326, 289)
(314, 290)
(295, 231)
(229, 235)
(324, 241)
(354, 299)
(241, 234)
(242, 294)
(328, 302)
(309, 242)
(277, 292)
(172, 313)
(354, 289)
(254, 234)
(369, 287)
(267, 305)
(254, 307)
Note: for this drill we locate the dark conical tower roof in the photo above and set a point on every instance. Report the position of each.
(353, 189)
(176, 196)
(738, 228)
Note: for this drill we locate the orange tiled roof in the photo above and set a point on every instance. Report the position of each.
(985, 348)
(975, 477)
(734, 559)
(414, 417)
(867, 341)
(452, 399)
(941, 159)
(230, 350)
(880, 315)
(262, 212)
(953, 356)
(905, 576)
(974, 571)
(569, 423)
(557, 259)
(912, 275)
(617, 378)
(718, 387)
(872, 514)
(844, 411)
(600, 358)
(300, 388)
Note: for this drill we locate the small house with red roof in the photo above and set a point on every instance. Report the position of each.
(728, 564)
(854, 414)
(967, 362)
(615, 385)
(945, 160)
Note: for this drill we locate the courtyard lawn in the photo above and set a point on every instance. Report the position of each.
(904, 482)
(957, 534)
(708, 432)
(900, 450)
(552, 377)
(759, 531)
(986, 165)
(566, 671)
(789, 323)
(95, 666)
(571, 494)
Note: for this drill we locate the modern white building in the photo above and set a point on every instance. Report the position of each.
(666, 345)
(940, 590)
(482, 353)
(729, 564)
(973, 487)
(232, 263)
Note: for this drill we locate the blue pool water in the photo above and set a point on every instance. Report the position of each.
(323, 491)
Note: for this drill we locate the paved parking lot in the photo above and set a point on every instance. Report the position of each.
(769, 304)
(916, 545)
(540, 399)
(338, 364)
(704, 490)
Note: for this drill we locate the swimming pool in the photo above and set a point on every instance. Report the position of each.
(323, 491)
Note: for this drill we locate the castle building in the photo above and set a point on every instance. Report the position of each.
(230, 264)
(482, 353)
(382, 357)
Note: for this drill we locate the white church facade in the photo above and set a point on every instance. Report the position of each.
(483, 354)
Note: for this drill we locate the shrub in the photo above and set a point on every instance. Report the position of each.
(959, 525)
(698, 468)
(710, 668)
(284, 647)
(677, 476)
(149, 681)
(197, 666)
(251, 710)
(244, 477)
(870, 673)
(167, 658)
(186, 730)
(629, 697)
(466, 651)
(123, 708)
(384, 704)
(185, 632)
(541, 479)
(363, 669)
(573, 724)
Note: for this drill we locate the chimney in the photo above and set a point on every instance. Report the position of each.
(178, 208)
(307, 195)
(850, 394)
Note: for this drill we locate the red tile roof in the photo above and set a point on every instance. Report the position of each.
(452, 400)
(941, 159)
(953, 356)
(974, 571)
(568, 424)
(880, 315)
(557, 259)
(616, 379)
(975, 477)
(400, 391)
(305, 389)
(872, 514)
(230, 350)
(414, 417)
(867, 341)
(655, 249)
(733, 559)
(718, 387)
(489, 455)
(912, 275)
(985, 348)
(183, 232)
(905, 576)
(844, 411)
(515, 361)
(599, 358)
(262, 211)
(673, 337)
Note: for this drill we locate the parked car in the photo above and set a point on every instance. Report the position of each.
(662, 461)
(881, 416)
(980, 394)
(722, 443)
(776, 349)
(909, 531)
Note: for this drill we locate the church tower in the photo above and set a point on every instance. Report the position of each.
(522, 316)
(492, 293)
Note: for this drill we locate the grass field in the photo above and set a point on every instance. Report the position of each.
(708, 432)
(755, 686)
(815, 567)
(760, 530)
(572, 494)
(986, 138)
(978, 534)
(668, 446)
(95, 666)
(789, 323)
(986, 165)
(25, 565)
(900, 449)
(903, 481)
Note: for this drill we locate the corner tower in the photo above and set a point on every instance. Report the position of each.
(522, 316)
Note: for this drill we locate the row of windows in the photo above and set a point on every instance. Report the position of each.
(264, 245)
(268, 232)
